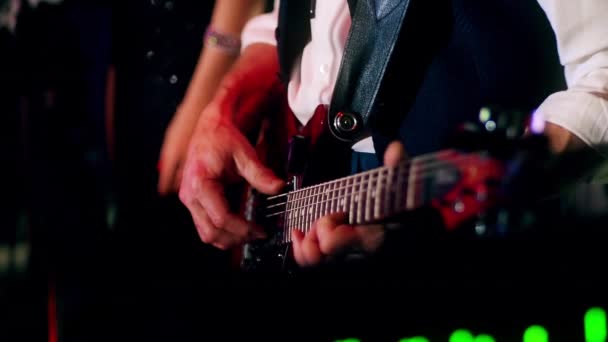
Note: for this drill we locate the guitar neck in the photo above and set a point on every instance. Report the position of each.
(369, 196)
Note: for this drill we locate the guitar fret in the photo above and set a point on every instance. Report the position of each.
(296, 211)
(411, 186)
(290, 203)
(315, 204)
(378, 196)
(303, 213)
(304, 210)
(286, 221)
(332, 197)
(399, 188)
(292, 213)
(318, 202)
(359, 199)
(325, 203)
(348, 203)
(308, 209)
(368, 199)
(324, 206)
(326, 196)
(389, 192)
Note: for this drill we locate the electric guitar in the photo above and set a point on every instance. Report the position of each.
(459, 184)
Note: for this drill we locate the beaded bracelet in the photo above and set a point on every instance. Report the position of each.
(226, 42)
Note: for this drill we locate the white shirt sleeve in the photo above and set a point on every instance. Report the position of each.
(261, 28)
(581, 30)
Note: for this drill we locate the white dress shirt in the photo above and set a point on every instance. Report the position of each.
(580, 27)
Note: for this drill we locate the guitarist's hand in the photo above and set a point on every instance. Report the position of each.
(331, 235)
(220, 155)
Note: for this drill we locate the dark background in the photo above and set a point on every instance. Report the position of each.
(111, 260)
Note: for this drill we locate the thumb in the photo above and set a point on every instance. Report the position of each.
(256, 174)
(394, 154)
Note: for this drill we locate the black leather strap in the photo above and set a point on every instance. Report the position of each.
(368, 49)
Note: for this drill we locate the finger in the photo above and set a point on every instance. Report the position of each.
(296, 241)
(311, 253)
(212, 199)
(242, 228)
(210, 194)
(209, 233)
(333, 238)
(394, 154)
(256, 174)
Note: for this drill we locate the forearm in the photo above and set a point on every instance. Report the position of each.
(229, 18)
(248, 85)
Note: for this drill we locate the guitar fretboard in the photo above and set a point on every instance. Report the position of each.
(365, 197)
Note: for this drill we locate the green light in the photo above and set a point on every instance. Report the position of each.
(484, 114)
(349, 340)
(536, 333)
(484, 338)
(415, 339)
(461, 335)
(595, 325)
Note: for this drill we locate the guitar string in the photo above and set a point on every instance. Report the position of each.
(372, 172)
(429, 165)
(376, 173)
(287, 229)
(404, 163)
(343, 196)
(424, 174)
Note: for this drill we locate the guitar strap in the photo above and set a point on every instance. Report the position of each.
(375, 28)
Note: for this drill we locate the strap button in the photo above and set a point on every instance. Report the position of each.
(345, 122)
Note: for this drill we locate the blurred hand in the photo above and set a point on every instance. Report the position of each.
(220, 155)
(562, 140)
(331, 235)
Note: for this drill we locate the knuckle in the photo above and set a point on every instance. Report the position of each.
(219, 218)
(324, 229)
(322, 223)
(212, 235)
(207, 234)
(202, 234)
(221, 246)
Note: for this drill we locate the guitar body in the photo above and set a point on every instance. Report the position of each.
(302, 155)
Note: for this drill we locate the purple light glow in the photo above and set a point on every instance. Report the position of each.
(537, 123)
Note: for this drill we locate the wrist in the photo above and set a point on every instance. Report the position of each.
(222, 41)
